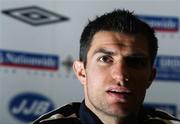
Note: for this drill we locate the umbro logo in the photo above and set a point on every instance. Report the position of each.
(35, 15)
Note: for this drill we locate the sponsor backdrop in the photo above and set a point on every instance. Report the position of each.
(39, 39)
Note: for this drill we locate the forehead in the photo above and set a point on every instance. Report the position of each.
(119, 41)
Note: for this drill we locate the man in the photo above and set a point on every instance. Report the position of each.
(117, 52)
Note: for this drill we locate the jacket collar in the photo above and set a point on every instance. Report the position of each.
(87, 116)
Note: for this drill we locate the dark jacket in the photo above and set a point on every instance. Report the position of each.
(74, 113)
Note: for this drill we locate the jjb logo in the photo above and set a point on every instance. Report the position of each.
(29, 106)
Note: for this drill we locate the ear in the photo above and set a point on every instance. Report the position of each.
(152, 77)
(79, 70)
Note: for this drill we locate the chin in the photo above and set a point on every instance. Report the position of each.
(120, 111)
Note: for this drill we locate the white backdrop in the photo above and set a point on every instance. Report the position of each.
(29, 33)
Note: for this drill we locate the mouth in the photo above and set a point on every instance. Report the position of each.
(119, 94)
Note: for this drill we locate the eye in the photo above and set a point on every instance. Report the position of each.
(136, 62)
(106, 59)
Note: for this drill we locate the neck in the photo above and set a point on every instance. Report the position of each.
(106, 119)
(112, 119)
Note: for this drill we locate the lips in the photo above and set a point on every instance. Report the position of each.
(118, 89)
(120, 94)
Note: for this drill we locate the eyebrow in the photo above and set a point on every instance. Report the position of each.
(105, 51)
(140, 55)
(109, 52)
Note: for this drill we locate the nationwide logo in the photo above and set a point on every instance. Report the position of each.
(29, 106)
(161, 23)
(168, 68)
(35, 15)
(170, 108)
(29, 60)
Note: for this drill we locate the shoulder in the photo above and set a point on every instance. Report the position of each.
(65, 114)
(157, 116)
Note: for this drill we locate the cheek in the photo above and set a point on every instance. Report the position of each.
(139, 82)
(139, 89)
(97, 72)
(97, 77)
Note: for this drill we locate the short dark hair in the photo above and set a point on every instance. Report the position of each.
(121, 21)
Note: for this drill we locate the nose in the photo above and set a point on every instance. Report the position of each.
(119, 72)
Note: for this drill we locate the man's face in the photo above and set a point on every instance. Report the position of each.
(117, 73)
